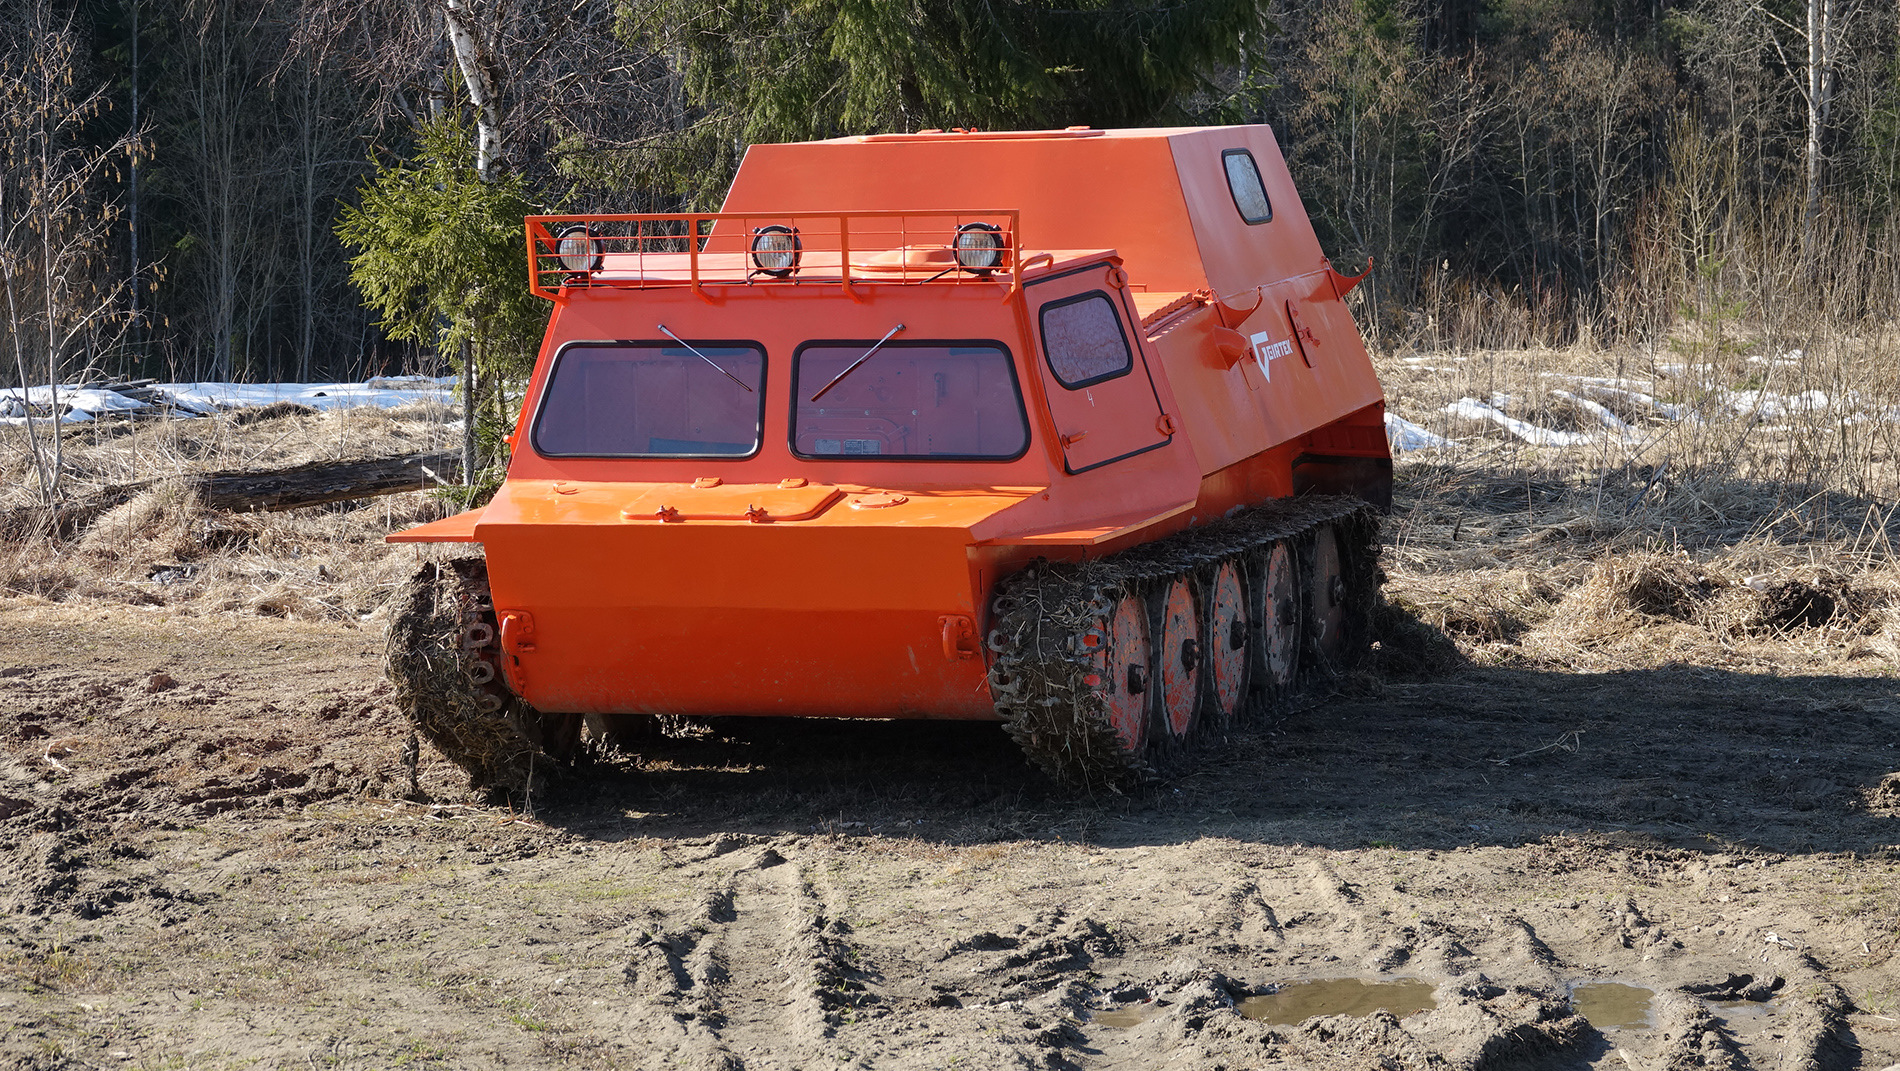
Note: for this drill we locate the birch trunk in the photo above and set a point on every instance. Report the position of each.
(1820, 88)
(481, 88)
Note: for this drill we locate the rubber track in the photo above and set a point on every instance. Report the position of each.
(1039, 666)
(429, 661)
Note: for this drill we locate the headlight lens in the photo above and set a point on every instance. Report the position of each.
(575, 247)
(775, 250)
(979, 246)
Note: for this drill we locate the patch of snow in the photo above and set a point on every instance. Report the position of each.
(1770, 405)
(385, 391)
(1619, 382)
(1603, 416)
(1473, 409)
(1634, 398)
(1406, 436)
(204, 399)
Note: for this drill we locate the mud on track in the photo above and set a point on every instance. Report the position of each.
(204, 864)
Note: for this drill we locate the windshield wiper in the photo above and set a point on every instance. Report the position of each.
(853, 366)
(708, 360)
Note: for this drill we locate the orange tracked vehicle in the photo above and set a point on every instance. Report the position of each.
(1100, 463)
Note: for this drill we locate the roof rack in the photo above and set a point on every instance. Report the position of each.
(843, 249)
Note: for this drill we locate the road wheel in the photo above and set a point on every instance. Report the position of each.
(1278, 661)
(1177, 662)
(1326, 607)
(1228, 633)
(1122, 676)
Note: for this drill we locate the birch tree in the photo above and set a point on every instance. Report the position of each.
(1826, 24)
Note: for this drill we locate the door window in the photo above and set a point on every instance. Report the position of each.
(1098, 386)
(1083, 340)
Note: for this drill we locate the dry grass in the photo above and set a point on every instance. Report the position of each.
(1723, 537)
(163, 549)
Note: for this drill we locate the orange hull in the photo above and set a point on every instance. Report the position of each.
(711, 510)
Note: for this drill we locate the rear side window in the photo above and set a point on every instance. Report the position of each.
(652, 399)
(907, 401)
(1082, 338)
(1243, 181)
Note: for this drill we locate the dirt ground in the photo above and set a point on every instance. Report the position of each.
(204, 864)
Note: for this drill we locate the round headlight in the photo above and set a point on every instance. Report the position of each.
(576, 249)
(979, 247)
(775, 250)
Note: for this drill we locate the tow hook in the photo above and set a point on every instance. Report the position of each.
(517, 639)
(959, 637)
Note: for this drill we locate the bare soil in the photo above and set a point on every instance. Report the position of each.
(204, 863)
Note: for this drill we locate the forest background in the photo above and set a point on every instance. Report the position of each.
(185, 183)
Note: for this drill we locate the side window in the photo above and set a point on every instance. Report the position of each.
(1083, 340)
(1243, 181)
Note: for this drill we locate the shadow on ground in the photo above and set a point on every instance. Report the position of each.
(1690, 757)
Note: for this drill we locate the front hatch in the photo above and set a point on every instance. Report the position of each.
(713, 500)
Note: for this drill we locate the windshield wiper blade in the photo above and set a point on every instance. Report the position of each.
(853, 366)
(708, 360)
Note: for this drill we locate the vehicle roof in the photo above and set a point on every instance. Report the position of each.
(1157, 196)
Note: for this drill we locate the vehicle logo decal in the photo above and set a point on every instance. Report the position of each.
(1265, 350)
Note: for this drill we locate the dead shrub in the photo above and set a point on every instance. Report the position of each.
(1785, 605)
(1478, 623)
(45, 580)
(1650, 584)
(1884, 798)
(1827, 598)
(227, 531)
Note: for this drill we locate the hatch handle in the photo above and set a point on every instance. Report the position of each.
(1022, 266)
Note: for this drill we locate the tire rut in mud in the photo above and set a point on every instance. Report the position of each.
(760, 978)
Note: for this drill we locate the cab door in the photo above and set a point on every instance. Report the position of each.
(1100, 391)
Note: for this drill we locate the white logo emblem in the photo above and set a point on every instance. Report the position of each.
(1265, 350)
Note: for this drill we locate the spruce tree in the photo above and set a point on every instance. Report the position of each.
(785, 70)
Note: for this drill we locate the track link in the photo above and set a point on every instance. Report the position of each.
(442, 653)
(1048, 635)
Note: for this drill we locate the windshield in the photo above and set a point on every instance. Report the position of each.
(909, 400)
(652, 399)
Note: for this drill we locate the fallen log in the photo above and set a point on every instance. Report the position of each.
(318, 482)
(243, 491)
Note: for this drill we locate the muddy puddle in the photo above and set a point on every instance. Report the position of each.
(1744, 1018)
(1613, 1005)
(1297, 1002)
(1127, 1018)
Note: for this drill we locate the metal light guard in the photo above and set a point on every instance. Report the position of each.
(698, 249)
